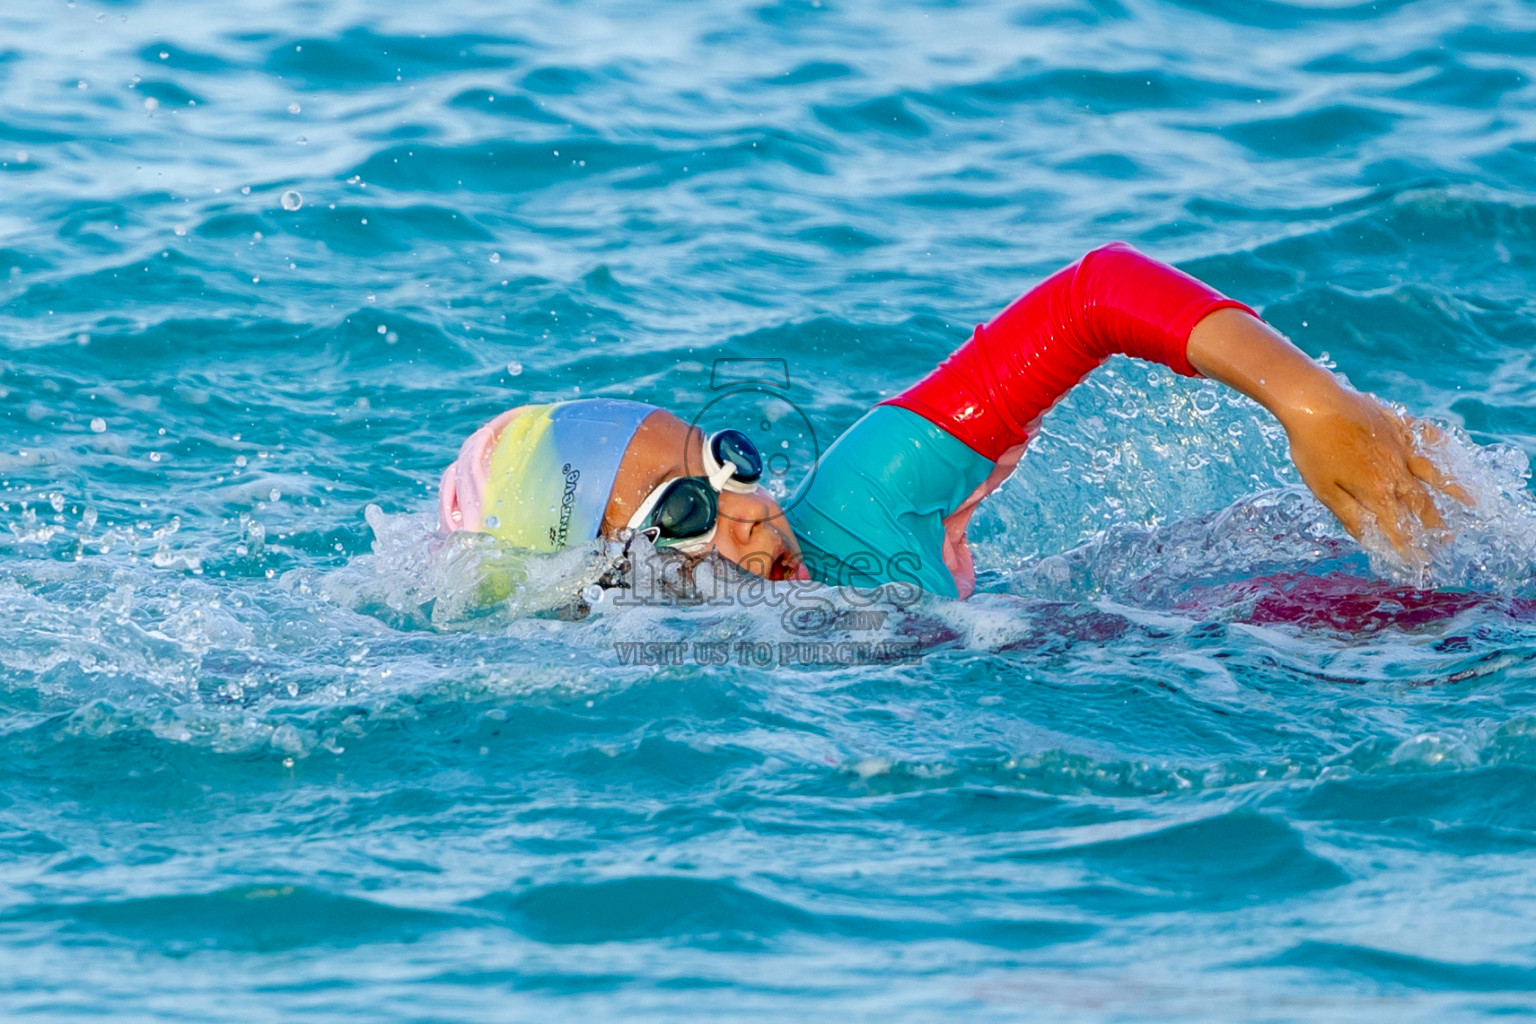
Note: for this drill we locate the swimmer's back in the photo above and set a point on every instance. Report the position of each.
(873, 512)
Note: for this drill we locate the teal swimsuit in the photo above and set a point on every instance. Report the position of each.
(874, 509)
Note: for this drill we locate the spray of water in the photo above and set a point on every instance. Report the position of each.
(1489, 544)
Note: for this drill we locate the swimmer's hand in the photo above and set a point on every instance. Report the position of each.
(1358, 457)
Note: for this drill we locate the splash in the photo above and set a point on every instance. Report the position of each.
(1489, 544)
(414, 578)
(1273, 531)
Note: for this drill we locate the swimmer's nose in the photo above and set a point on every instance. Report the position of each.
(753, 530)
(748, 508)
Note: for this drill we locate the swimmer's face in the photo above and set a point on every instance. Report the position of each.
(752, 530)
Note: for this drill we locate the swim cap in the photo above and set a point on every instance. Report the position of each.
(539, 476)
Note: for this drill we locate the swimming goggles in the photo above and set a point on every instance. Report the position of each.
(684, 512)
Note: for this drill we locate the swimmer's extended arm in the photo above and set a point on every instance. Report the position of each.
(1357, 457)
(993, 390)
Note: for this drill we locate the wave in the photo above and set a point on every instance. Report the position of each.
(255, 918)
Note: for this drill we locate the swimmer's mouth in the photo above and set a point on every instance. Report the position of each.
(787, 566)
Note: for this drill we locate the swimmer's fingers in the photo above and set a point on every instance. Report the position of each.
(1386, 509)
(1420, 435)
(1407, 487)
(1393, 500)
(1366, 463)
(1394, 521)
(1405, 508)
(1415, 497)
(1409, 508)
(1346, 509)
(1427, 471)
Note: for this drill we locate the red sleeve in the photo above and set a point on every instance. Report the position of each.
(991, 392)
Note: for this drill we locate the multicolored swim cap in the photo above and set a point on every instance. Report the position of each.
(539, 476)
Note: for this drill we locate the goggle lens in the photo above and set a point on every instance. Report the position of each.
(687, 509)
(683, 512)
(736, 449)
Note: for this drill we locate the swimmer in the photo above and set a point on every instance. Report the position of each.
(891, 499)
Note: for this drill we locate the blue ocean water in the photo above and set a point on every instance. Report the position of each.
(268, 753)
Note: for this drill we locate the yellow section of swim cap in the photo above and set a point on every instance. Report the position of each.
(523, 482)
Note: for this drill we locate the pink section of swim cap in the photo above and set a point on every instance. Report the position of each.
(460, 496)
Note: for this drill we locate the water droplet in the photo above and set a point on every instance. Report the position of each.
(383, 329)
(98, 425)
(292, 200)
(294, 108)
(302, 141)
(151, 104)
(165, 55)
(241, 460)
(514, 368)
(592, 593)
(57, 501)
(245, 190)
(82, 84)
(154, 456)
(391, 338)
(275, 495)
(495, 257)
(181, 231)
(88, 518)
(287, 761)
(492, 522)
(22, 156)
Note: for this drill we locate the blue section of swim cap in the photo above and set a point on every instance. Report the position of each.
(590, 437)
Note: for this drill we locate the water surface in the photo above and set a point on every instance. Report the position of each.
(1190, 757)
